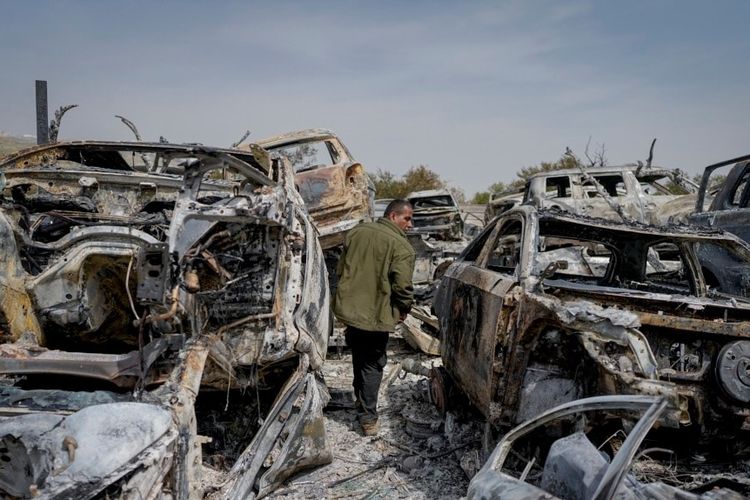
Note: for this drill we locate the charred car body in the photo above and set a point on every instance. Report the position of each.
(436, 214)
(730, 207)
(544, 308)
(500, 203)
(576, 467)
(172, 298)
(337, 191)
(639, 193)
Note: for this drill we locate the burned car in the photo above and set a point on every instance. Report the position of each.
(575, 466)
(651, 195)
(380, 206)
(337, 191)
(545, 307)
(153, 319)
(436, 214)
(501, 202)
(729, 203)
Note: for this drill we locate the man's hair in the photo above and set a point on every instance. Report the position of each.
(396, 206)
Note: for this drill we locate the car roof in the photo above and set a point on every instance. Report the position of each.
(38, 153)
(644, 171)
(428, 193)
(675, 230)
(310, 134)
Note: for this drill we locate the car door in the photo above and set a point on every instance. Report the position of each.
(731, 210)
(471, 299)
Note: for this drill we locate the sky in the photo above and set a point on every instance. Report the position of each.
(474, 90)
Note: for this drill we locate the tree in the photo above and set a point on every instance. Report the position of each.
(387, 186)
(480, 198)
(419, 178)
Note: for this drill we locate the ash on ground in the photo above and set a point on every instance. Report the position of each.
(417, 453)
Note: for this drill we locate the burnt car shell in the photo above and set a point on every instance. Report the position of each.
(574, 467)
(436, 214)
(643, 194)
(501, 202)
(131, 295)
(336, 189)
(543, 308)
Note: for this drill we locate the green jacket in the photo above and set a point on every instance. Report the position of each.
(375, 273)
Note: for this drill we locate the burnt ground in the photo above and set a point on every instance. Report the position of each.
(413, 455)
(419, 454)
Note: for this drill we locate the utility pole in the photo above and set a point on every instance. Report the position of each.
(42, 115)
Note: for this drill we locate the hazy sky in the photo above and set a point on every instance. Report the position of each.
(475, 90)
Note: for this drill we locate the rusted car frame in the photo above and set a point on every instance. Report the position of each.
(335, 187)
(543, 308)
(165, 293)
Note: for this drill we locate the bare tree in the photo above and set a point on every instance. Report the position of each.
(54, 125)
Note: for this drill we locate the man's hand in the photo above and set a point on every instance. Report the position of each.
(402, 317)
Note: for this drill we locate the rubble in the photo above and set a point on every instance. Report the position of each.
(395, 464)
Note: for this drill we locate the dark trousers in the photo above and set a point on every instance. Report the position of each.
(368, 360)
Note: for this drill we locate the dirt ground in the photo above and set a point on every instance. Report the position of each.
(413, 455)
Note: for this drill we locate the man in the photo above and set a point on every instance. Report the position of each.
(374, 293)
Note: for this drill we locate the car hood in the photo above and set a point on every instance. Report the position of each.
(51, 453)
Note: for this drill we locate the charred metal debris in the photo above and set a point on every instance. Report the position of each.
(164, 308)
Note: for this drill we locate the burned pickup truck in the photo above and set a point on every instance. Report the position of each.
(544, 308)
(337, 191)
(161, 307)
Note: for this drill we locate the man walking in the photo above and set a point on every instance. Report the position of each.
(374, 293)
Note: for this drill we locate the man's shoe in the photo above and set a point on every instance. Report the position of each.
(370, 428)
